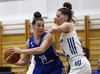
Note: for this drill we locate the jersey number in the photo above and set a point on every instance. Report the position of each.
(43, 58)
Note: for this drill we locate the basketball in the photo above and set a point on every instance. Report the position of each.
(10, 57)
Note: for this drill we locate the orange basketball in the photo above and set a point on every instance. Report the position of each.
(10, 57)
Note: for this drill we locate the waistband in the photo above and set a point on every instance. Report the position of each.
(75, 58)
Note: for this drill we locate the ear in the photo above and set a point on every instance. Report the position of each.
(33, 27)
(66, 17)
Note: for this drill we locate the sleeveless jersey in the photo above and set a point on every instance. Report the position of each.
(48, 56)
(70, 45)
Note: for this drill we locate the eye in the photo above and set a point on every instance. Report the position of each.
(38, 25)
(42, 25)
(58, 16)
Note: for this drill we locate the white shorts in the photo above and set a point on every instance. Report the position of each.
(80, 65)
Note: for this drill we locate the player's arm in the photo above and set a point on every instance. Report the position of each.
(61, 53)
(47, 42)
(25, 59)
(62, 28)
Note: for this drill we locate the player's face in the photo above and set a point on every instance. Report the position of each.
(60, 18)
(39, 27)
(99, 63)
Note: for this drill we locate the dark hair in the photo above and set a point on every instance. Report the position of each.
(66, 10)
(37, 17)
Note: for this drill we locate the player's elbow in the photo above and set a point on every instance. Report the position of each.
(54, 30)
(42, 51)
(21, 62)
(24, 64)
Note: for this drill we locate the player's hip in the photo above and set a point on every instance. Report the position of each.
(80, 64)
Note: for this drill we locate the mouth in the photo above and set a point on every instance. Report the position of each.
(57, 21)
(40, 31)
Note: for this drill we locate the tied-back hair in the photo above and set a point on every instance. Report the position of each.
(67, 10)
(37, 17)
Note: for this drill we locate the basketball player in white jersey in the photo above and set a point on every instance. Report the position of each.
(69, 41)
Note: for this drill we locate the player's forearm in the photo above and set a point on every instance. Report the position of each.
(21, 63)
(61, 53)
(54, 28)
(37, 50)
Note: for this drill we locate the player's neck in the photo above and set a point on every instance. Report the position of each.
(36, 39)
(99, 69)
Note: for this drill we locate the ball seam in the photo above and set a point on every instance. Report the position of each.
(8, 57)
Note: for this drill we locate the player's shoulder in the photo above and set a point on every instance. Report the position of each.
(48, 34)
(67, 24)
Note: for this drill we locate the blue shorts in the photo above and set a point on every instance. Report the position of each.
(51, 68)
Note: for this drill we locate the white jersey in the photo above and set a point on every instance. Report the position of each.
(70, 45)
(73, 51)
(31, 67)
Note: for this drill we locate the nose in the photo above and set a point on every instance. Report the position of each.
(41, 27)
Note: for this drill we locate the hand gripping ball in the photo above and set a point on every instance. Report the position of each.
(10, 57)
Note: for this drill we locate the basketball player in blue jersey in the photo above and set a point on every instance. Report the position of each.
(42, 45)
(69, 41)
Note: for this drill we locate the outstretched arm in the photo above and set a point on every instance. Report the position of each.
(47, 42)
(62, 28)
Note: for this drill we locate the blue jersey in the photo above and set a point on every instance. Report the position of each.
(48, 56)
(96, 72)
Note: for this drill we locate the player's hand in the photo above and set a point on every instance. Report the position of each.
(15, 50)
